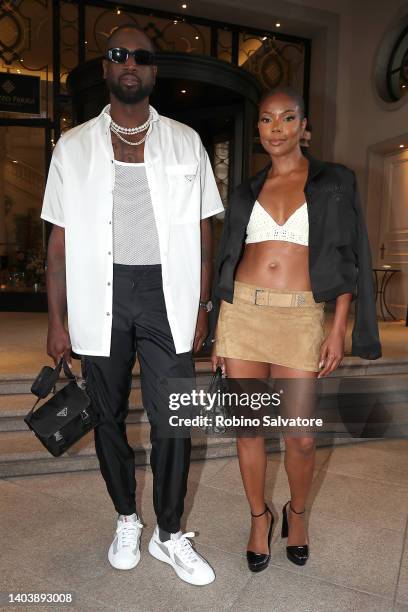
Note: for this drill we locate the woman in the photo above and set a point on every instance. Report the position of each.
(293, 237)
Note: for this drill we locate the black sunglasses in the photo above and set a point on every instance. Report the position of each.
(120, 55)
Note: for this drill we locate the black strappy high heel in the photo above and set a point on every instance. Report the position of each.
(259, 561)
(297, 554)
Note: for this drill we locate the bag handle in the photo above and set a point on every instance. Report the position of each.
(62, 364)
(217, 373)
(217, 376)
(67, 370)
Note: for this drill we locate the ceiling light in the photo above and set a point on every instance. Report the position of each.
(401, 146)
(15, 161)
(278, 25)
(18, 70)
(183, 91)
(184, 6)
(175, 21)
(118, 11)
(264, 37)
(403, 87)
(197, 37)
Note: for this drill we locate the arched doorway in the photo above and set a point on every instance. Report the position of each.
(216, 98)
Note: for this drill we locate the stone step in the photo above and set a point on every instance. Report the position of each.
(20, 403)
(21, 384)
(351, 366)
(13, 409)
(23, 455)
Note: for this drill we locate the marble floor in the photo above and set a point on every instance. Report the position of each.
(56, 529)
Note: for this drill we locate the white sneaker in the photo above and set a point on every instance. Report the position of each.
(180, 554)
(124, 552)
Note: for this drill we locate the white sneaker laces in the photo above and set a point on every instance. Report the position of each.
(184, 548)
(128, 532)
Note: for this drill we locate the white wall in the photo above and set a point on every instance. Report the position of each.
(364, 117)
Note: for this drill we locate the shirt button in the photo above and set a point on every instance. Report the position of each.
(108, 284)
(108, 314)
(109, 252)
(110, 222)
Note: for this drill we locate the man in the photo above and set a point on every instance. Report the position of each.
(130, 194)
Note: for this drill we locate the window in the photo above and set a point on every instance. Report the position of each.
(397, 69)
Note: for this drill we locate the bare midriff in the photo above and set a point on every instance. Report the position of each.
(275, 264)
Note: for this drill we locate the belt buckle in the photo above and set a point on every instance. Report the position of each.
(257, 291)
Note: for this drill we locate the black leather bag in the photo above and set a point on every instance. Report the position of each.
(218, 385)
(66, 416)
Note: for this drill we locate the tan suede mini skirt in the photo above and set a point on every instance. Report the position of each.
(272, 326)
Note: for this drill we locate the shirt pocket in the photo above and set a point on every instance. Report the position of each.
(183, 192)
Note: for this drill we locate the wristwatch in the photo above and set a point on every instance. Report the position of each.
(207, 306)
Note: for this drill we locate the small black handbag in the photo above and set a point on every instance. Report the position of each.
(66, 416)
(219, 411)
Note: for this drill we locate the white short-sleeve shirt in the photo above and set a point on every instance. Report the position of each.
(79, 198)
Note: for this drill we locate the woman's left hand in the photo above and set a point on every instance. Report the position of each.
(331, 352)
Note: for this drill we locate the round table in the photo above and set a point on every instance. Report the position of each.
(381, 285)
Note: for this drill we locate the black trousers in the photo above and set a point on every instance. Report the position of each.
(139, 326)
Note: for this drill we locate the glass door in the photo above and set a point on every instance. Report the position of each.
(24, 155)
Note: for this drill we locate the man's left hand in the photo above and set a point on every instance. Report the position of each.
(201, 331)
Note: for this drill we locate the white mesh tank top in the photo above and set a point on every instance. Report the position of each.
(262, 226)
(135, 237)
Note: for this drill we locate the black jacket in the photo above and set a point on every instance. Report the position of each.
(339, 251)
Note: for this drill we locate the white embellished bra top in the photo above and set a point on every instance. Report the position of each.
(262, 226)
